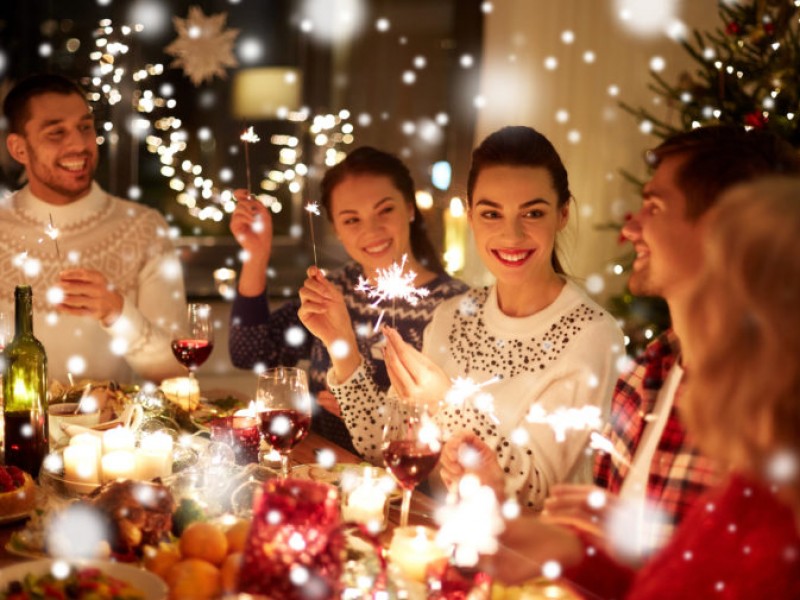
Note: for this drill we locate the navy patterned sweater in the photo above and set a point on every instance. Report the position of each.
(278, 338)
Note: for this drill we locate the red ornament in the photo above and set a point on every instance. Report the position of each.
(733, 28)
(449, 582)
(295, 546)
(755, 119)
(769, 28)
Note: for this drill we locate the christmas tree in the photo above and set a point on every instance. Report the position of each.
(747, 73)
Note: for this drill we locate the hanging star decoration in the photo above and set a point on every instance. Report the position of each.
(203, 47)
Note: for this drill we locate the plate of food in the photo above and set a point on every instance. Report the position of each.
(209, 409)
(76, 578)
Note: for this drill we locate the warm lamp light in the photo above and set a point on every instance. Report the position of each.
(455, 236)
(260, 93)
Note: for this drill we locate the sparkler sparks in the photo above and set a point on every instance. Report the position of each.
(248, 137)
(562, 420)
(313, 209)
(470, 523)
(392, 284)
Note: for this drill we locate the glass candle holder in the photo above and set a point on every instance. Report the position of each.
(295, 545)
(241, 434)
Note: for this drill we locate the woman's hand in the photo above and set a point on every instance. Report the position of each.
(467, 453)
(251, 225)
(414, 376)
(324, 313)
(585, 507)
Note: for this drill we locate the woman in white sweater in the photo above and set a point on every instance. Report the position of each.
(534, 343)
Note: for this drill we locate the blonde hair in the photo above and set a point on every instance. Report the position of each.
(742, 341)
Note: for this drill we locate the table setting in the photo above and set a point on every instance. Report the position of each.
(156, 492)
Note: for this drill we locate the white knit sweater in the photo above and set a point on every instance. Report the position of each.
(125, 241)
(562, 357)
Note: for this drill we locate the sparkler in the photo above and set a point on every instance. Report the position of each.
(248, 137)
(599, 442)
(313, 209)
(52, 232)
(392, 284)
(562, 420)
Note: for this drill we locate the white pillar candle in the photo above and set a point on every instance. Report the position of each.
(119, 438)
(366, 503)
(414, 548)
(120, 464)
(154, 457)
(81, 463)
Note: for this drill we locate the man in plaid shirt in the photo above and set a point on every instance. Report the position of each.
(654, 469)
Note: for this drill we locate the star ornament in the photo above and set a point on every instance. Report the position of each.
(203, 47)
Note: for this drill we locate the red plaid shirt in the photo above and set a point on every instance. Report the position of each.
(678, 472)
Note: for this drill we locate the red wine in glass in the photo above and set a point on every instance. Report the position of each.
(192, 353)
(409, 462)
(283, 429)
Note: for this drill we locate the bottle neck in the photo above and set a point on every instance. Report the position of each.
(23, 311)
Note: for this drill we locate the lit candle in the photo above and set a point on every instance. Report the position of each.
(366, 503)
(119, 438)
(120, 464)
(414, 548)
(154, 457)
(80, 463)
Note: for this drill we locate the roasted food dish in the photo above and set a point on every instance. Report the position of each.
(139, 514)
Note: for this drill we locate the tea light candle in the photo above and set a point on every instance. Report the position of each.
(412, 549)
(81, 464)
(154, 457)
(117, 439)
(120, 464)
(366, 503)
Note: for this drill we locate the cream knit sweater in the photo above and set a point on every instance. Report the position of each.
(125, 241)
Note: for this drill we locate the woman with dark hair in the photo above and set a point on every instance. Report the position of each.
(369, 199)
(532, 345)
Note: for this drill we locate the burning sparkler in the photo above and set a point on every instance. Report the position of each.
(313, 209)
(392, 284)
(52, 232)
(599, 442)
(248, 137)
(562, 420)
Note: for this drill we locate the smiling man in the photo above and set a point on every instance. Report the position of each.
(655, 468)
(109, 289)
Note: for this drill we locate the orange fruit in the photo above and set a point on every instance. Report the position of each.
(205, 541)
(193, 579)
(229, 573)
(159, 560)
(237, 536)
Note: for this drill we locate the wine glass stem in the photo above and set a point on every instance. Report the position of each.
(284, 466)
(405, 507)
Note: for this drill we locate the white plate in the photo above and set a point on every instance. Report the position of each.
(150, 585)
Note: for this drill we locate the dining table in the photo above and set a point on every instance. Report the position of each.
(305, 453)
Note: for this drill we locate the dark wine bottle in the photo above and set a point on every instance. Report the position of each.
(24, 368)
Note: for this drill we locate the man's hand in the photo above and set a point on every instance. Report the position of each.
(582, 506)
(87, 293)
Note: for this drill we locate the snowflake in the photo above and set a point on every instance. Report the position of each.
(203, 47)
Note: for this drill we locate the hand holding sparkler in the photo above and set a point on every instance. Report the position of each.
(87, 293)
(324, 313)
(414, 376)
(466, 453)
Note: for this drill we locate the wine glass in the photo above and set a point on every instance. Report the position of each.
(284, 406)
(193, 342)
(411, 447)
